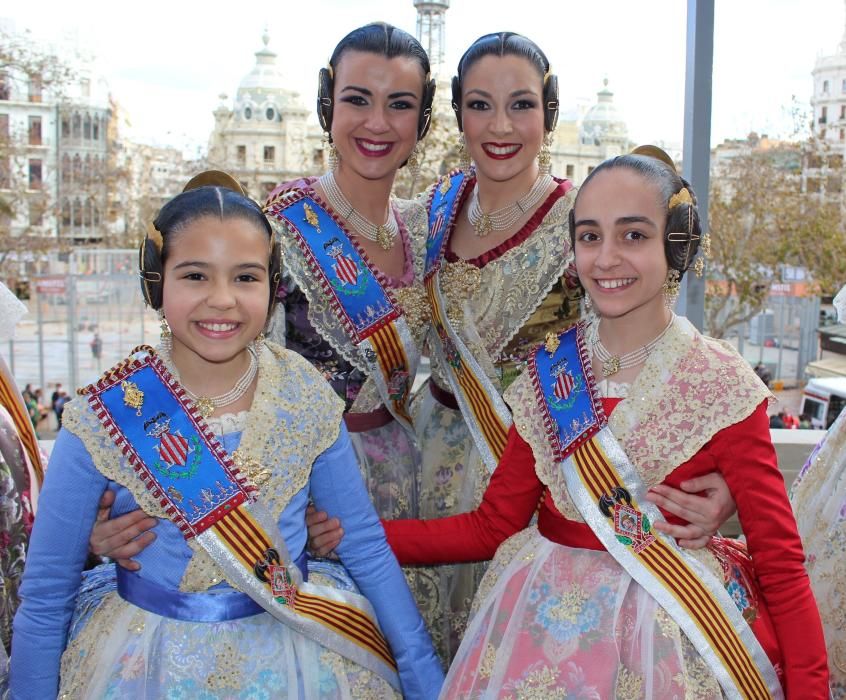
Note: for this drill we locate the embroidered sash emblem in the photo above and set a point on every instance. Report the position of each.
(437, 224)
(398, 384)
(177, 452)
(132, 396)
(311, 218)
(565, 386)
(282, 586)
(551, 343)
(346, 269)
(450, 351)
(446, 183)
(631, 527)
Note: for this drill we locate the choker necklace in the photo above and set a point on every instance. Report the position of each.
(206, 405)
(384, 234)
(505, 218)
(611, 364)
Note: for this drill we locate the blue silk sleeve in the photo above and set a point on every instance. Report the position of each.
(337, 488)
(57, 552)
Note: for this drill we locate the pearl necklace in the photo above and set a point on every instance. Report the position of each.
(503, 219)
(384, 234)
(611, 364)
(206, 405)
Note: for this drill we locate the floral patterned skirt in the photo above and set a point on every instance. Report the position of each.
(553, 622)
(452, 480)
(125, 652)
(389, 462)
(819, 501)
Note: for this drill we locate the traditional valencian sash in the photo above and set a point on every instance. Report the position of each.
(11, 398)
(609, 493)
(481, 404)
(367, 311)
(171, 449)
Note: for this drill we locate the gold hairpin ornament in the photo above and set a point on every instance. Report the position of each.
(155, 236)
(680, 197)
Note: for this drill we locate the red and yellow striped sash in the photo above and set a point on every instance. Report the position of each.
(392, 356)
(247, 541)
(13, 403)
(478, 398)
(600, 477)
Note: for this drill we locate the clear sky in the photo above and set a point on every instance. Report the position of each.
(167, 62)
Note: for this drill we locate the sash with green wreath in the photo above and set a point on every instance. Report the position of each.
(609, 493)
(149, 417)
(485, 413)
(367, 311)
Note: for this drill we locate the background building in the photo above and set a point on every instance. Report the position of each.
(86, 155)
(583, 141)
(266, 137)
(154, 175)
(28, 150)
(431, 32)
(823, 159)
(59, 180)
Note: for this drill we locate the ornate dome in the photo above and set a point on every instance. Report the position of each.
(263, 88)
(603, 122)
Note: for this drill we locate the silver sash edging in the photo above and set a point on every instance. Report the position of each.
(600, 526)
(499, 406)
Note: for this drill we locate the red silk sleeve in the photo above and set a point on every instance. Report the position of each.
(744, 455)
(507, 507)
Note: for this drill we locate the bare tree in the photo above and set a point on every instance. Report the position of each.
(29, 73)
(762, 221)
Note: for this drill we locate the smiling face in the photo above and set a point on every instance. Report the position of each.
(376, 109)
(619, 245)
(502, 117)
(216, 289)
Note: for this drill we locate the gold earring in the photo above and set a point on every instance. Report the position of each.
(671, 287)
(544, 156)
(413, 162)
(463, 154)
(165, 335)
(333, 158)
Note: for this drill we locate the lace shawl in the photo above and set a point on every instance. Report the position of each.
(689, 389)
(294, 417)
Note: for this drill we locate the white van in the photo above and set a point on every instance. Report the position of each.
(823, 399)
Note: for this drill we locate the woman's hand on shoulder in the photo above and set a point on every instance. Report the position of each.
(123, 537)
(704, 513)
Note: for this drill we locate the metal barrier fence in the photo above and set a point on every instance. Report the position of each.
(81, 321)
(783, 337)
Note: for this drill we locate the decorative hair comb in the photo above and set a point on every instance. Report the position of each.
(680, 197)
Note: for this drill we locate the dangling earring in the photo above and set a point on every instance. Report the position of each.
(333, 158)
(671, 288)
(166, 337)
(704, 253)
(463, 153)
(413, 162)
(588, 303)
(544, 156)
(259, 341)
